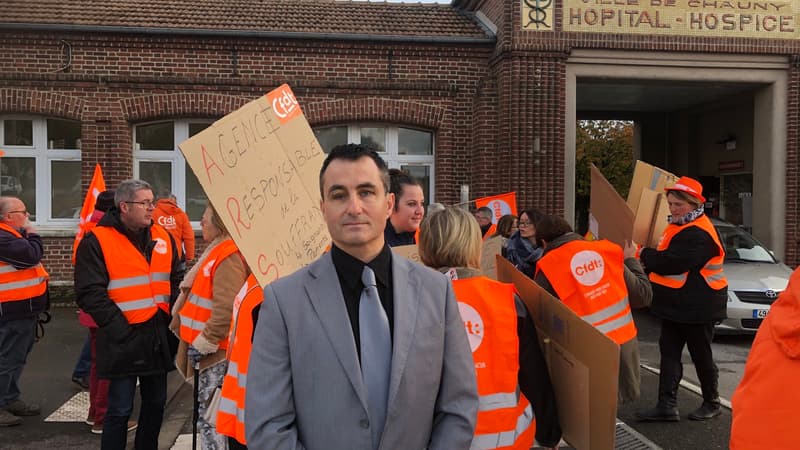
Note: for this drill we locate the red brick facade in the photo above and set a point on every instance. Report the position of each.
(496, 105)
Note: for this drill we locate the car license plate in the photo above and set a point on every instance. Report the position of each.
(760, 313)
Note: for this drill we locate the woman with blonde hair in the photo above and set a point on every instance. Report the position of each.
(502, 336)
(201, 316)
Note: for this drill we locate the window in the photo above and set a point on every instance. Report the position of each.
(44, 153)
(404, 148)
(158, 161)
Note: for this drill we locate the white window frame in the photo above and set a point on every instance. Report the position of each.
(43, 158)
(180, 133)
(391, 149)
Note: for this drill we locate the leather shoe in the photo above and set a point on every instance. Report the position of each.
(708, 410)
(20, 408)
(659, 414)
(83, 382)
(8, 420)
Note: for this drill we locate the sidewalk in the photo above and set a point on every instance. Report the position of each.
(47, 381)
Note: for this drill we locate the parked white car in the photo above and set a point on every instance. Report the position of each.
(755, 278)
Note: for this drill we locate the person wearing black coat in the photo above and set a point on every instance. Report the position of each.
(688, 313)
(128, 351)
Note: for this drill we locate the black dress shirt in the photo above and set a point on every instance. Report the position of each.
(349, 270)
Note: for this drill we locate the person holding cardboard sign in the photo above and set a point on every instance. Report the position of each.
(513, 380)
(600, 282)
(362, 348)
(690, 295)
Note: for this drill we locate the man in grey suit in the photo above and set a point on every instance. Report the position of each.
(317, 378)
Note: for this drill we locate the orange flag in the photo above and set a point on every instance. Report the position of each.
(500, 205)
(96, 186)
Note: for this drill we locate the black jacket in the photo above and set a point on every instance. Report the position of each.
(123, 349)
(22, 253)
(695, 302)
(395, 239)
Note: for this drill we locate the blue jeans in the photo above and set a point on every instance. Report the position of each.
(84, 363)
(153, 391)
(16, 341)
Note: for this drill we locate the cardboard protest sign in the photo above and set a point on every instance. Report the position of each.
(648, 202)
(259, 167)
(583, 364)
(408, 251)
(613, 216)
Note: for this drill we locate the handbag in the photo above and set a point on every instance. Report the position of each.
(210, 415)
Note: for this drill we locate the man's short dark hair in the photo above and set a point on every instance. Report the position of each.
(485, 211)
(550, 227)
(354, 152)
(397, 180)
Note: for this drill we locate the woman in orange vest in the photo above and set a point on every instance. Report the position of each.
(690, 294)
(402, 227)
(201, 316)
(572, 269)
(230, 417)
(513, 381)
(765, 403)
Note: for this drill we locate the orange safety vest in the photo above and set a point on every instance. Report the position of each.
(589, 277)
(230, 418)
(197, 310)
(712, 272)
(20, 284)
(136, 287)
(505, 417)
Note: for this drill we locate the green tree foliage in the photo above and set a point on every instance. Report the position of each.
(608, 144)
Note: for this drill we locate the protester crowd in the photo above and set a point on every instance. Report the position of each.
(362, 348)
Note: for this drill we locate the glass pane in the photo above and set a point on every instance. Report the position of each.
(374, 136)
(65, 193)
(423, 175)
(159, 175)
(155, 136)
(196, 199)
(18, 179)
(330, 137)
(63, 134)
(18, 132)
(414, 142)
(195, 128)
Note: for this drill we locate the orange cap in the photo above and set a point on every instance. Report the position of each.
(690, 186)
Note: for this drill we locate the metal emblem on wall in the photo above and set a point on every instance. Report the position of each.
(537, 15)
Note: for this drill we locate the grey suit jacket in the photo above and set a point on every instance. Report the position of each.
(304, 385)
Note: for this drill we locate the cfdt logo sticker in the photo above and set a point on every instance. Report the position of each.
(473, 323)
(160, 247)
(587, 267)
(284, 104)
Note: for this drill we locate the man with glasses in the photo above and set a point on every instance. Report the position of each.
(23, 295)
(127, 271)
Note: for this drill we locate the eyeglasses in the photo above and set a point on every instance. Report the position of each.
(147, 204)
(21, 212)
(524, 224)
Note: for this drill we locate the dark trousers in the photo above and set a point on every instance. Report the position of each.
(233, 444)
(16, 341)
(697, 336)
(153, 391)
(84, 364)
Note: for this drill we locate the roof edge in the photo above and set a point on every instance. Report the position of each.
(18, 26)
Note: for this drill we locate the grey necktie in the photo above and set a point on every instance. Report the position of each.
(376, 353)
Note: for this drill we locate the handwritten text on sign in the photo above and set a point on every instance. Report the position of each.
(733, 18)
(259, 167)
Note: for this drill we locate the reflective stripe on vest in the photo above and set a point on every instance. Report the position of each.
(196, 311)
(504, 438)
(505, 417)
(589, 277)
(137, 287)
(711, 272)
(230, 419)
(21, 284)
